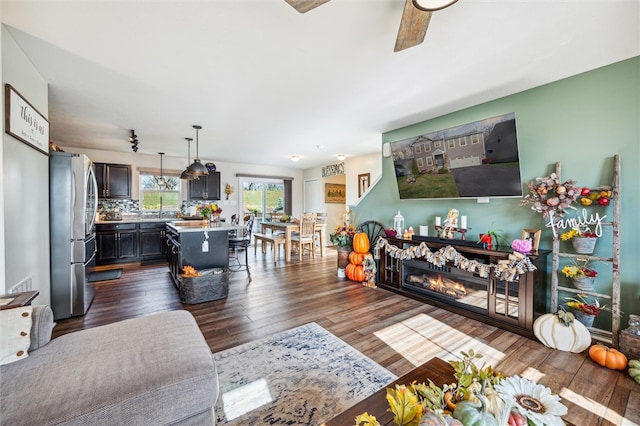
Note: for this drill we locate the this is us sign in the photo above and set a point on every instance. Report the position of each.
(24, 122)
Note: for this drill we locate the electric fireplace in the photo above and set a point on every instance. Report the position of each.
(511, 305)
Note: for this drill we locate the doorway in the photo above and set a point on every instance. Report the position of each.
(262, 197)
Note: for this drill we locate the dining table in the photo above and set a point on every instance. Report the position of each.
(289, 228)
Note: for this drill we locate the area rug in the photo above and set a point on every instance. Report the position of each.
(302, 376)
(111, 274)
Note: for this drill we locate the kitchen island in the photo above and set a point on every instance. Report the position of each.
(203, 246)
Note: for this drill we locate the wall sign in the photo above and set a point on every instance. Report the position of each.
(24, 122)
(333, 170)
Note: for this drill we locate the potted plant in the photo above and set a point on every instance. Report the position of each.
(582, 276)
(583, 240)
(342, 236)
(584, 310)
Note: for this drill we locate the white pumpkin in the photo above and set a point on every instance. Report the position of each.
(554, 333)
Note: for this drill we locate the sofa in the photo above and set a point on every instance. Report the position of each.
(154, 370)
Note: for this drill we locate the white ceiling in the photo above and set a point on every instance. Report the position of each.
(266, 82)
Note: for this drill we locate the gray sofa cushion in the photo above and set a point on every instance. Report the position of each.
(151, 370)
(41, 326)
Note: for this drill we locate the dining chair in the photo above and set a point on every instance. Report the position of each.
(241, 242)
(306, 235)
(321, 219)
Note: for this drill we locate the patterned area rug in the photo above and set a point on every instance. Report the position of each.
(302, 376)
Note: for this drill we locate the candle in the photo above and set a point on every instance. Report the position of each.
(424, 230)
(438, 223)
(463, 222)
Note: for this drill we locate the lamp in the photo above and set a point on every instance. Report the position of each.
(197, 168)
(341, 157)
(432, 5)
(185, 173)
(161, 183)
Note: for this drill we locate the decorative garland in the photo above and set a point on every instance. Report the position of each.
(508, 269)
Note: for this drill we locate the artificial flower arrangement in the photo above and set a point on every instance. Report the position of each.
(342, 236)
(581, 304)
(577, 232)
(481, 396)
(574, 271)
(547, 194)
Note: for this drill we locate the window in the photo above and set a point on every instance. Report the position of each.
(437, 144)
(475, 139)
(419, 162)
(417, 148)
(451, 143)
(153, 197)
(462, 141)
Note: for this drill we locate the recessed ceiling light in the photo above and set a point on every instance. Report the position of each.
(295, 158)
(341, 157)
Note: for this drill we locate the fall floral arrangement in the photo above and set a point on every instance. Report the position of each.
(342, 236)
(581, 304)
(547, 194)
(481, 396)
(577, 232)
(574, 271)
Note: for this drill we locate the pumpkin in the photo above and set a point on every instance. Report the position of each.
(608, 357)
(562, 334)
(634, 369)
(360, 242)
(494, 404)
(356, 258)
(354, 272)
(472, 413)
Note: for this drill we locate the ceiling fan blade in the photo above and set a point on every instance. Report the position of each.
(413, 27)
(304, 6)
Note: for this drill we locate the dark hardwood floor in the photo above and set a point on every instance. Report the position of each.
(396, 332)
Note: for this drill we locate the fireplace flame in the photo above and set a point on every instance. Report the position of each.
(446, 286)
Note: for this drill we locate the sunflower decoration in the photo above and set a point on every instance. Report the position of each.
(547, 194)
(532, 400)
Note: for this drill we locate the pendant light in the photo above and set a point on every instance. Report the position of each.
(197, 168)
(161, 182)
(185, 173)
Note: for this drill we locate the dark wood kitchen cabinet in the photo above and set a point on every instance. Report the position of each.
(205, 188)
(153, 241)
(114, 180)
(116, 243)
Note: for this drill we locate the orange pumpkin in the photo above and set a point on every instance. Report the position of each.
(608, 357)
(356, 258)
(361, 242)
(354, 272)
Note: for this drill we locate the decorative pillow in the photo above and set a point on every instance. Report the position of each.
(15, 330)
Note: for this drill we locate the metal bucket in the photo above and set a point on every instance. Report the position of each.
(583, 283)
(584, 245)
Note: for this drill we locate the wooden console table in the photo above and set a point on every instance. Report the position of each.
(439, 371)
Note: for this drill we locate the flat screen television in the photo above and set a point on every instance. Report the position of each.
(475, 160)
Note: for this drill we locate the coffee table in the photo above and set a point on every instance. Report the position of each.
(439, 371)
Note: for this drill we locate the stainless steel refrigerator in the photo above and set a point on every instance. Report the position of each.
(73, 203)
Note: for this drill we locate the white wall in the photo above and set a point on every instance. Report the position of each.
(227, 174)
(25, 183)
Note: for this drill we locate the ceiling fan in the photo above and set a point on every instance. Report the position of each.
(413, 25)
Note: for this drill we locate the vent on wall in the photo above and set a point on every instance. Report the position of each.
(24, 285)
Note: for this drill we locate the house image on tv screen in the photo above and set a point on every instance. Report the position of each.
(478, 159)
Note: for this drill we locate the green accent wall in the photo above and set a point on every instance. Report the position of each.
(582, 122)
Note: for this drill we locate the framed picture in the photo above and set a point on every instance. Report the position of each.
(335, 193)
(532, 235)
(24, 122)
(364, 180)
